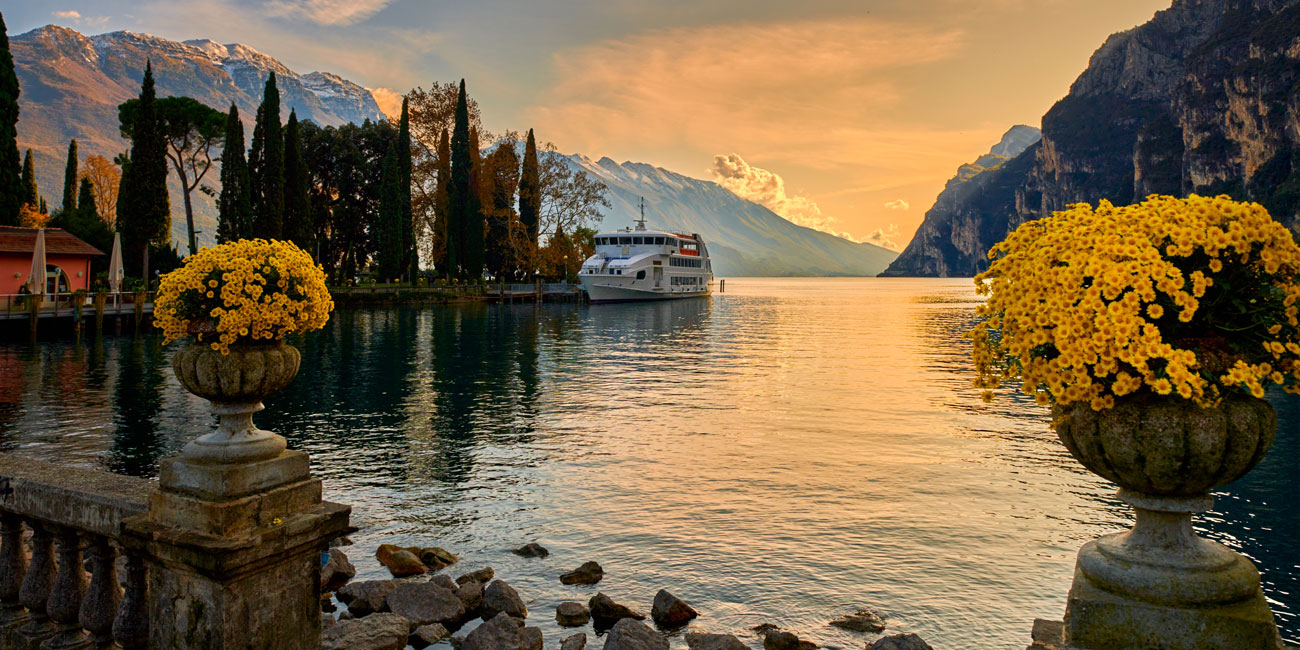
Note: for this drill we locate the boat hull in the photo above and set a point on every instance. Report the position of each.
(602, 294)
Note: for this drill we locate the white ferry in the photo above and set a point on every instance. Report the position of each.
(639, 264)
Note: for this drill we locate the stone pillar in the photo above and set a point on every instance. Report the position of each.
(13, 566)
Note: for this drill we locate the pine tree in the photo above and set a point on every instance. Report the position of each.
(298, 225)
(235, 205)
(266, 166)
(530, 191)
(460, 195)
(70, 179)
(10, 188)
(443, 246)
(143, 208)
(411, 258)
(391, 248)
(31, 194)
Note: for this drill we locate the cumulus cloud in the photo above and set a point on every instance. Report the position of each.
(886, 237)
(327, 12)
(389, 100)
(767, 189)
(76, 18)
(69, 15)
(897, 204)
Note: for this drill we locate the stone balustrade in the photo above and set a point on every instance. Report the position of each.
(72, 514)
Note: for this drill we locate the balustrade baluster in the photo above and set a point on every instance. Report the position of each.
(131, 627)
(64, 605)
(105, 595)
(13, 565)
(37, 584)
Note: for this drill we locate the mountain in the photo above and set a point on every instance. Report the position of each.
(744, 238)
(72, 83)
(1204, 98)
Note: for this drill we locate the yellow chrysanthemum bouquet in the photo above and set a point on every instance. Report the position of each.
(244, 291)
(1189, 297)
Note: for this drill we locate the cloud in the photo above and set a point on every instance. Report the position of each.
(768, 189)
(78, 19)
(327, 12)
(68, 15)
(389, 100)
(885, 237)
(897, 204)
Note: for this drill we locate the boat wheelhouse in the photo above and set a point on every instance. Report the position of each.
(639, 264)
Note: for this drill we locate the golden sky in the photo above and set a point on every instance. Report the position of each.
(841, 114)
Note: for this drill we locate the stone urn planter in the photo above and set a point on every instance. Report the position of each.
(1159, 585)
(236, 384)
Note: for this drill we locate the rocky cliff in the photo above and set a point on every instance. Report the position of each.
(1204, 98)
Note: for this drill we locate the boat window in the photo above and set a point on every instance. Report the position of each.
(640, 275)
(638, 240)
(624, 241)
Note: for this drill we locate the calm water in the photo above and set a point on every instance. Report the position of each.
(785, 452)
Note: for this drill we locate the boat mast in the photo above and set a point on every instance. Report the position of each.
(640, 223)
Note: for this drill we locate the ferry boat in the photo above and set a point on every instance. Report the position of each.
(639, 264)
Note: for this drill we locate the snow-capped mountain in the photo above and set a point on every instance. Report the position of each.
(744, 238)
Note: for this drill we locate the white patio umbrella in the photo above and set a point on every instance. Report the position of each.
(36, 280)
(115, 271)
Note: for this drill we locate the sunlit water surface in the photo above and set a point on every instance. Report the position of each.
(784, 452)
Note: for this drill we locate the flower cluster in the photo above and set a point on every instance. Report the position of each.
(1189, 297)
(243, 291)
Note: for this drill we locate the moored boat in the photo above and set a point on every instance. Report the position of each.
(639, 264)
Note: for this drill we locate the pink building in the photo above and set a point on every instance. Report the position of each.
(67, 259)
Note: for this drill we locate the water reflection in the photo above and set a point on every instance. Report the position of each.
(787, 450)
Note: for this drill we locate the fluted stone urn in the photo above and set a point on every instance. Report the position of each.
(236, 384)
(1159, 585)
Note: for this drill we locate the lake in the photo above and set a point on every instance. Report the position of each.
(785, 452)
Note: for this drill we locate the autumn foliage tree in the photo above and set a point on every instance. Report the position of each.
(104, 178)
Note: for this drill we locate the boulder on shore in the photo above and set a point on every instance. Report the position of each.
(483, 576)
(604, 609)
(671, 611)
(779, 640)
(588, 574)
(375, 632)
(443, 580)
(503, 632)
(531, 549)
(576, 642)
(434, 557)
(863, 620)
(399, 561)
(900, 642)
(427, 635)
(501, 598)
(470, 595)
(701, 641)
(338, 570)
(423, 603)
(571, 614)
(366, 596)
(629, 634)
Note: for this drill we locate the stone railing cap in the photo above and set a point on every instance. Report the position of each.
(85, 499)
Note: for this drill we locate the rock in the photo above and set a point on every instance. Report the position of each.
(347, 616)
(457, 642)
(500, 597)
(340, 541)
(778, 640)
(588, 574)
(423, 603)
(671, 611)
(338, 570)
(863, 620)
(375, 632)
(628, 634)
(572, 614)
(503, 632)
(434, 557)
(470, 595)
(327, 602)
(444, 581)
(427, 635)
(326, 620)
(365, 597)
(699, 641)
(531, 549)
(764, 629)
(900, 642)
(576, 642)
(603, 608)
(399, 561)
(483, 576)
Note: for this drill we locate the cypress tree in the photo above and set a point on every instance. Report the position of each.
(444, 243)
(459, 192)
(298, 225)
(530, 191)
(10, 190)
(266, 166)
(391, 248)
(85, 222)
(143, 208)
(411, 257)
(31, 195)
(475, 223)
(70, 179)
(44, 209)
(86, 209)
(235, 205)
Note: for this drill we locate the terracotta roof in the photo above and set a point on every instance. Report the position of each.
(57, 242)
